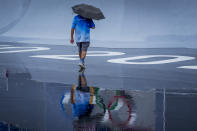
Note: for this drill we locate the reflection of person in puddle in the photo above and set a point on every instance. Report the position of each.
(82, 98)
(83, 102)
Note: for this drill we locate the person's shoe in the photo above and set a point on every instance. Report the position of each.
(82, 65)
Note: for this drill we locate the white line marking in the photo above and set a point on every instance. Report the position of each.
(4, 45)
(59, 57)
(175, 59)
(188, 67)
(23, 49)
(75, 57)
(104, 53)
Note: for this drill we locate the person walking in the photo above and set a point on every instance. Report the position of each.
(81, 28)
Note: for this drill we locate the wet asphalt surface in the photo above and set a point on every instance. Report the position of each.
(51, 95)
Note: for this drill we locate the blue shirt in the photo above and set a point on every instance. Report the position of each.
(82, 28)
(81, 105)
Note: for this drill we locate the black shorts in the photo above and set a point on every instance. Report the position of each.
(83, 46)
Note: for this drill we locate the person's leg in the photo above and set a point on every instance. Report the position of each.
(82, 83)
(82, 80)
(83, 55)
(79, 44)
(85, 46)
(80, 49)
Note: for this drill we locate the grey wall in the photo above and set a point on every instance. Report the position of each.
(126, 20)
(11, 12)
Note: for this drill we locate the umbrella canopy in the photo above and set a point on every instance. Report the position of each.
(88, 11)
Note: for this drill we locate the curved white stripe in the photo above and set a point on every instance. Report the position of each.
(4, 45)
(174, 59)
(59, 57)
(75, 57)
(188, 67)
(104, 53)
(23, 49)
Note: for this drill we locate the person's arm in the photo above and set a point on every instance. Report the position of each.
(72, 33)
(73, 30)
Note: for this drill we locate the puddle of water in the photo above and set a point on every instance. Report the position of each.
(32, 105)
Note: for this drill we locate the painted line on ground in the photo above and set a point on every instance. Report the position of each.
(104, 53)
(23, 49)
(128, 60)
(59, 57)
(75, 57)
(188, 67)
(4, 45)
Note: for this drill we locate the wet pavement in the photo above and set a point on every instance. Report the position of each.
(45, 94)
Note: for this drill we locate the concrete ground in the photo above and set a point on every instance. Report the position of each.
(155, 89)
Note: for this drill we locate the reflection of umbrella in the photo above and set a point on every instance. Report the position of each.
(88, 11)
